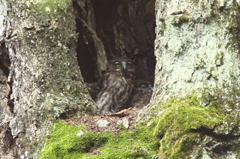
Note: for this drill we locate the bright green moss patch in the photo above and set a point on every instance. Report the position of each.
(69, 142)
(175, 133)
(176, 123)
(66, 141)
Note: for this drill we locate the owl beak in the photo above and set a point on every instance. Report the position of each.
(124, 66)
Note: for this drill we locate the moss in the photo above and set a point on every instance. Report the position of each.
(63, 142)
(179, 20)
(162, 20)
(51, 6)
(176, 123)
(173, 134)
(66, 141)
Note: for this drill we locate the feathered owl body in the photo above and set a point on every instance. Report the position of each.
(116, 85)
(142, 94)
(93, 89)
(116, 90)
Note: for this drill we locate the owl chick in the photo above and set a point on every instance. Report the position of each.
(93, 89)
(142, 94)
(116, 85)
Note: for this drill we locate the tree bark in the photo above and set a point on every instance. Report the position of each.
(44, 82)
(196, 47)
(197, 50)
(39, 73)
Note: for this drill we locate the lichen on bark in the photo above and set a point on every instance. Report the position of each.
(197, 50)
(46, 80)
(198, 53)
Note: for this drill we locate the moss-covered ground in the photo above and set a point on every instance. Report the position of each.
(170, 135)
(70, 142)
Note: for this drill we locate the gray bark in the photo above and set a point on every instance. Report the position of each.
(197, 50)
(196, 47)
(40, 76)
(44, 82)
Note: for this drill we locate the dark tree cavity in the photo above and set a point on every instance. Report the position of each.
(6, 104)
(109, 29)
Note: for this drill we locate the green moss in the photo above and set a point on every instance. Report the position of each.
(63, 142)
(66, 141)
(179, 20)
(51, 6)
(176, 124)
(173, 134)
(162, 20)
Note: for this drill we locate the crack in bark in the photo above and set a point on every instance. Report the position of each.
(7, 140)
(211, 133)
(216, 143)
(4, 59)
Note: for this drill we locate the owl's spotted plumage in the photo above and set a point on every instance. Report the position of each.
(116, 85)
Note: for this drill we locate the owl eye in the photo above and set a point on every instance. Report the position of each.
(117, 64)
(129, 65)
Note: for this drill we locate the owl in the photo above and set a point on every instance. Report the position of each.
(93, 89)
(142, 94)
(116, 85)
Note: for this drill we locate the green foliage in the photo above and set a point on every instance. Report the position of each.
(64, 143)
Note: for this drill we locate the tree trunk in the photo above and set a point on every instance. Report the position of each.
(197, 46)
(196, 77)
(44, 82)
(39, 73)
(197, 50)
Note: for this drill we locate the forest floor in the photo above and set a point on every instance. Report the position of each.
(110, 122)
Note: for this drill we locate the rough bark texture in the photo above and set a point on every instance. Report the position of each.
(91, 52)
(197, 51)
(196, 46)
(44, 82)
(39, 74)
